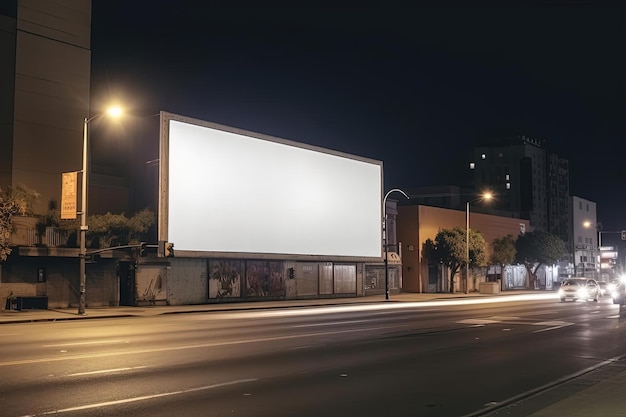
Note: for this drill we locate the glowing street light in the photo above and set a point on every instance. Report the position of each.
(112, 112)
(487, 196)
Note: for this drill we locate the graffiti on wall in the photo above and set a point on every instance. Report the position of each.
(150, 285)
(224, 278)
(264, 279)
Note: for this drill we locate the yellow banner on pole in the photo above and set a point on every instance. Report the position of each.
(68, 195)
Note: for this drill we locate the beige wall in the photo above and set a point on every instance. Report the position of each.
(416, 224)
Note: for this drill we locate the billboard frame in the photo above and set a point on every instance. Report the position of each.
(163, 200)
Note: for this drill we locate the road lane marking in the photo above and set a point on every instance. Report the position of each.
(335, 323)
(552, 323)
(478, 321)
(142, 398)
(107, 371)
(553, 328)
(507, 320)
(95, 342)
(187, 347)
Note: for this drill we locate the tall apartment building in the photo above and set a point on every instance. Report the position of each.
(44, 92)
(585, 238)
(528, 179)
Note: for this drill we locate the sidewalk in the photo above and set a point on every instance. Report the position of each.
(597, 392)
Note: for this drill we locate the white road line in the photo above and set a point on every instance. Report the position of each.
(552, 323)
(187, 347)
(478, 321)
(540, 313)
(107, 371)
(511, 320)
(553, 328)
(142, 398)
(335, 323)
(95, 342)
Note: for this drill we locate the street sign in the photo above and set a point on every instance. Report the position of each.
(68, 195)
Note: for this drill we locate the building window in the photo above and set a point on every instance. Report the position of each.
(580, 205)
(508, 185)
(472, 165)
(587, 207)
(483, 156)
(507, 177)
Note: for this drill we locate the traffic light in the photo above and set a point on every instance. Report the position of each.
(169, 249)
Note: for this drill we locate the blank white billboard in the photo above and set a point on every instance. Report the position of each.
(239, 194)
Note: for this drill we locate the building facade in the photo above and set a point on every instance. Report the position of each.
(44, 92)
(584, 248)
(528, 179)
(418, 223)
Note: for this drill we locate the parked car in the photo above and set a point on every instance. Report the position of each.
(579, 289)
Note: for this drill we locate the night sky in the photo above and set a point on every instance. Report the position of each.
(414, 86)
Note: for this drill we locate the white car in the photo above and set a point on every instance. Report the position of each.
(579, 289)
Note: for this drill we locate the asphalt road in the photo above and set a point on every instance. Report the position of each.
(450, 358)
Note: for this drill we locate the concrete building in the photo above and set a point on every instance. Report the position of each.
(418, 223)
(584, 247)
(44, 92)
(528, 179)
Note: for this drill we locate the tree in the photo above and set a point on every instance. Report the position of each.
(110, 230)
(535, 249)
(18, 200)
(450, 246)
(503, 253)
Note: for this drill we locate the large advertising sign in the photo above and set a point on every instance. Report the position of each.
(239, 194)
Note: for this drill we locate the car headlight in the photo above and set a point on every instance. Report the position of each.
(610, 287)
(583, 293)
(561, 292)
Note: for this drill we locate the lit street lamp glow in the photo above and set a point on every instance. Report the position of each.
(113, 112)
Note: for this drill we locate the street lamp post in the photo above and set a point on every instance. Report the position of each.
(114, 112)
(486, 196)
(385, 238)
(467, 258)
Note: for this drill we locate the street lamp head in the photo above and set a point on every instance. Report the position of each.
(115, 111)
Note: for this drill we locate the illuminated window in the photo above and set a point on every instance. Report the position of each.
(472, 165)
(507, 177)
(483, 156)
(508, 185)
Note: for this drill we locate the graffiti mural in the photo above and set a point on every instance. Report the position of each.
(264, 279)
(225, 279)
